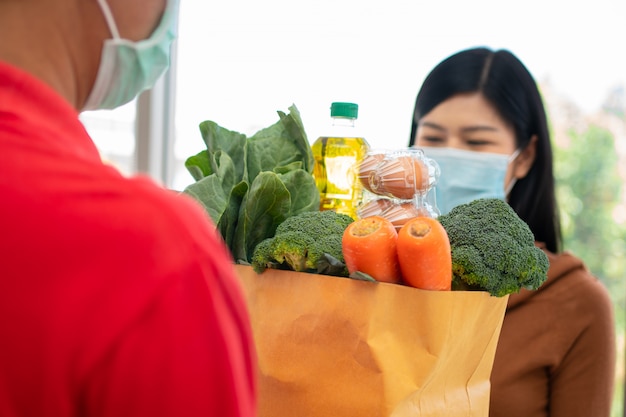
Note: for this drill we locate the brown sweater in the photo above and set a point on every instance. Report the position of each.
(556, 354)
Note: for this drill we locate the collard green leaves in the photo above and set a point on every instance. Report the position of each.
(249, 185)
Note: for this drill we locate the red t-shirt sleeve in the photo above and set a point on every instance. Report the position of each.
(184, 357)
(190, 352)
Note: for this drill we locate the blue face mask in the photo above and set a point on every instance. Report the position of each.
(469, 175)
(126, 67)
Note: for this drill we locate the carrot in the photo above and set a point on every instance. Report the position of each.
(369, 246)
(424, 254)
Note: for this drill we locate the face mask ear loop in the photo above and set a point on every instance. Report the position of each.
(108, 16)
(514, 155)
(509, 187)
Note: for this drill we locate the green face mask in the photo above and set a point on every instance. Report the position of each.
(126, 67)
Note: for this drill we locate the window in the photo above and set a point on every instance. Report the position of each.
(113, 131)
(138, 137)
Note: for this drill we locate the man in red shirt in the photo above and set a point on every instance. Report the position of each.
(117, 297)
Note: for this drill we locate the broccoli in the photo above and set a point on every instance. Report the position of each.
(261, 257)
(306, 242)
(493, 249)
(316, 224)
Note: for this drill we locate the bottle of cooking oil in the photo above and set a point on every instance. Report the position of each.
(336, 160)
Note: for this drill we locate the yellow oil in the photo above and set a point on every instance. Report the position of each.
(335, 172)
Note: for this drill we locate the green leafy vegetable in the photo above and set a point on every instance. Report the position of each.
(250, 185)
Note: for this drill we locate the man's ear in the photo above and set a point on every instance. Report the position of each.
(525, 159)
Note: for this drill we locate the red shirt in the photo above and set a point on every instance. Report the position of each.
(117, 297)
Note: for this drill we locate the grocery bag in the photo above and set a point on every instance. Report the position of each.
(334, 347)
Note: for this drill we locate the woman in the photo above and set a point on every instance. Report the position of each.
(479, 114)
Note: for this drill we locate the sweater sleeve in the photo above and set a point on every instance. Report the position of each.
(582, 384)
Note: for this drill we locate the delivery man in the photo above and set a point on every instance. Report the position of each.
(117, 297)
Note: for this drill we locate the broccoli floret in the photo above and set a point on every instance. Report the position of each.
(328, 256)
(262, 256)
(493, 249)
(294, 249)
(316, 224)
(307, 242)
(331, 245)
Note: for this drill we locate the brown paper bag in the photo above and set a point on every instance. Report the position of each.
(334, 347)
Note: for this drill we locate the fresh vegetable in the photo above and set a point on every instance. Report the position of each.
(493, 249)
(369, 247)
(307, 242)
(250, 185)
(316, 223)
(424, 254)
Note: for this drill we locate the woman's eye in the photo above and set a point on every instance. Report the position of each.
(432, 139)
(477, 142)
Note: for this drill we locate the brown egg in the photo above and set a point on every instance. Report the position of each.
(374, 207)
(401, 177)
(400, 213)
(367, 166)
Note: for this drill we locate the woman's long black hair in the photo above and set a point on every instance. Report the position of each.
(508, 85)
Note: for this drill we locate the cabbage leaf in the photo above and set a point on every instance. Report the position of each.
(249, 185)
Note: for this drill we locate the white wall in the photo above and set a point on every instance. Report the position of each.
(241, 60)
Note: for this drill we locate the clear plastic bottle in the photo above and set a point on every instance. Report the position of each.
(336, 161)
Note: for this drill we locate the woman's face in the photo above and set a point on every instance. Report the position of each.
(470, 122)
(466, 121)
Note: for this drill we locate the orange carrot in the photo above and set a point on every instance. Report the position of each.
(424, 254)
(369, 246)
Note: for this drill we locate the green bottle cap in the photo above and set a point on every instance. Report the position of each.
(347, 110)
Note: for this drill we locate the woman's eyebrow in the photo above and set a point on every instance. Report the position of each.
(479, 128)
(468, 129)
(432, 126)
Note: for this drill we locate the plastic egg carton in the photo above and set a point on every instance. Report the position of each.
(398, 184)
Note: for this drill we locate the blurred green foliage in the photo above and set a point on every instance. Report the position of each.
(589, 192)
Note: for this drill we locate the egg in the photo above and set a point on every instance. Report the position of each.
(374, 207)
(367, 166)
(400, 177)
(400, 213)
